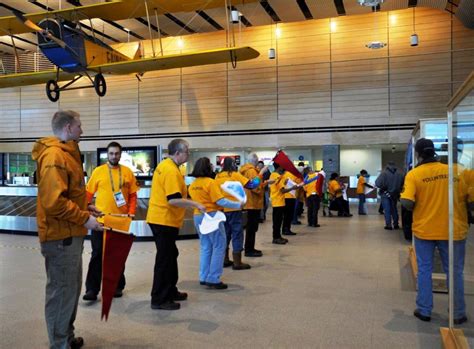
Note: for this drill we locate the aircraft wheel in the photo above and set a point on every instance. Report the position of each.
(52, 90)
(100, 85)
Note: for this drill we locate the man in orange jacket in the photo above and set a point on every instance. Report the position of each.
(63, 218)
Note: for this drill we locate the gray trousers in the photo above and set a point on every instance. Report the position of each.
(63, 260)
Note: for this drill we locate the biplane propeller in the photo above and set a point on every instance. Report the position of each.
(77, 54)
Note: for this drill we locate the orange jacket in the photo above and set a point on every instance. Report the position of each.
(254, 196)
(62, 205)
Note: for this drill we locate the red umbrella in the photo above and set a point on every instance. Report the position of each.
(117, 245)
(284, 161)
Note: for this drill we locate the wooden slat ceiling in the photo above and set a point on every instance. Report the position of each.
(255, 12)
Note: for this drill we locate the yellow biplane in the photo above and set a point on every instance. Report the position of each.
(76, 54)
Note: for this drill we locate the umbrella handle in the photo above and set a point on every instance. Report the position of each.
(117, 230)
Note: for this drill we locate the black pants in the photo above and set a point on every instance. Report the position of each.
(252, 227)
(313, 203)
(278, 213)
(94, 274)
(165, 276)
(289, 212)
(342, 206)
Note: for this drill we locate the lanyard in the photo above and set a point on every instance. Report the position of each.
(112, 179)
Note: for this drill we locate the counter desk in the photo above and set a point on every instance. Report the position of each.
(18, 213)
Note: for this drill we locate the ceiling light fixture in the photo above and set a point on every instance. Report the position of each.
(234, 16)
(370, 3)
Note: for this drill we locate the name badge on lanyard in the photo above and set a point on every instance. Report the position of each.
(118, 195)
(119, 199)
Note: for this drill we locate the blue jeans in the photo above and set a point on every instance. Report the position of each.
(362, 206)
(234, 230)
(63, 261)
(424, 258)
(213, 247)
(390, 211)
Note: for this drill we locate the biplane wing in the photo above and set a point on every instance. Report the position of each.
(191, 59)
(182, 60)
(10, 25)
(33, 78)
(113, 10)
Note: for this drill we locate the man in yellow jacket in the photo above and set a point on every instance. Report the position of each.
(425, 193)
(253, 206)
(115, 187)
(168, 203)
(63, 218)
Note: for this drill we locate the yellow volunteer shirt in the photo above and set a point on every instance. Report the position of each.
(310, 188)
(254, 196)
(276, 196)
(333, 187)
(427, 186)
(207, 192)
(234, 176)
(167, 180)
(100, 184)
(289, 175)
(360, 185)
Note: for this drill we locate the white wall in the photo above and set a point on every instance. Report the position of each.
(354, 160)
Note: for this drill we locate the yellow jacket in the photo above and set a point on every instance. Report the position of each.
(254, 196)
(62, 205)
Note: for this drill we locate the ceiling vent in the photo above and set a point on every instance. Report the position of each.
(375, 45)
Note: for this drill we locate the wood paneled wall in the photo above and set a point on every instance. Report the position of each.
(323, 76)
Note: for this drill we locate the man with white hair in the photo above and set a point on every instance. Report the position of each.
(253, 206)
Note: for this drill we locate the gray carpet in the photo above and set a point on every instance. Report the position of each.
(346, 284)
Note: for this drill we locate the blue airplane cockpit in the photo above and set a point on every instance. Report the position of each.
(70, 58)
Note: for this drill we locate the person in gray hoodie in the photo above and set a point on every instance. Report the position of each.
(390, 183)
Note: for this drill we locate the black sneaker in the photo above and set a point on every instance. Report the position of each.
(180, 296)
(286, 240)
(76, 343)
(460, 321)
(254, 253)
(316, 225)
(90, 296)
(217, 286)
(204, 283)
(289, 232)
(118, 293)
(420, 316)
(169, 305)
(396, 227)
(279, 241)
(388, 228)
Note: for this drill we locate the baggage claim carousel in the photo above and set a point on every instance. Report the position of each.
(18, 213)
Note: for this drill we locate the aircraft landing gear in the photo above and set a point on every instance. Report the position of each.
(52, 90)
(100, 85)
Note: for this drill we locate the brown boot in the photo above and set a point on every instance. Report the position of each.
(227, 261)
(238, 265)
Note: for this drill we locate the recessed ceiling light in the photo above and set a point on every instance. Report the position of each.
(370, 3)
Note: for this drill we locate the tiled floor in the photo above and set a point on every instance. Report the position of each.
(346, 284)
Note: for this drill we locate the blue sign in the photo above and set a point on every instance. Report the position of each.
(301, 158)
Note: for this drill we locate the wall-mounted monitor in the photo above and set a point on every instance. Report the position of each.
(141, 160)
